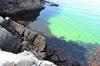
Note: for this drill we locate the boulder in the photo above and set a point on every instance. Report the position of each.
(13, 6)
(21, 10)
(24, 39)
(25, 58)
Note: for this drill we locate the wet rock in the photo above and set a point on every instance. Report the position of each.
(51, 3)
(25, 39)
(76, 64)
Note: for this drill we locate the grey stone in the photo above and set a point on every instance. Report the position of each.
(25, 39)
(11, 6)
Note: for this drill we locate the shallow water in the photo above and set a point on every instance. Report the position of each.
(73, 20)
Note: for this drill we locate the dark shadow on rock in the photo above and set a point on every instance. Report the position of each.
(70, 51)
(21, 10)
(7, 40)
(24, 15)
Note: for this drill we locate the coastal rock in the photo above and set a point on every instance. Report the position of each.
(13, 6)
(25, 58)
(94, 57)
(21, 11)
(25, 39)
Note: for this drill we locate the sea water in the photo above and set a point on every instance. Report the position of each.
(74, 20)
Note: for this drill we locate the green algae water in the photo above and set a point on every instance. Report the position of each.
(73, 20)
(77, 21)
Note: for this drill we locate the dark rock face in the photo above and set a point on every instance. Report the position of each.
(12, 6)
(24, 17)
(21, 10)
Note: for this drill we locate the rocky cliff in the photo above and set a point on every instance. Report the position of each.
(21, 10)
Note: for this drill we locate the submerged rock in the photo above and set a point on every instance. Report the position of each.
(94, 57)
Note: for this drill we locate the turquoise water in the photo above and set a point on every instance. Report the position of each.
(74, 20)
(77, 22)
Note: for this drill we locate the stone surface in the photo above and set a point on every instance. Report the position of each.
(22, 11)
(25, 39)
(21, 59)
(94, 58)
(13, 6)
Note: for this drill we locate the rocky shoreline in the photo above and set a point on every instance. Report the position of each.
(16, 37)
(21, 12)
